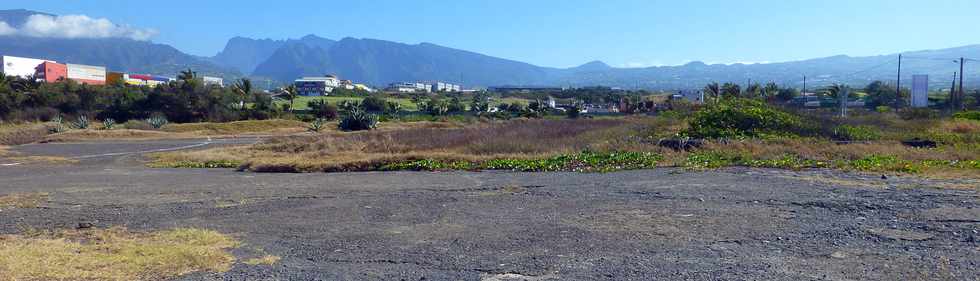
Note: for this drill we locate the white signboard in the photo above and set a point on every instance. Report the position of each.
(920, 90)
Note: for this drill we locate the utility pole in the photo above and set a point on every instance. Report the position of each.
(952, 94)
(844, 92)
(959, 95)
(898, 81)
(804, 85)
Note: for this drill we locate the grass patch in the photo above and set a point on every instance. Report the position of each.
(579, 162)
(302, 103)
(114, 254)
(23, 200)
(121, 134)
(265, 260)
(209, 164)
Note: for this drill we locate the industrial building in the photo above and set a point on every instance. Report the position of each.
(87, 74)
(409, 87)
(316, 86)
(21, 67)
(51, 72)
(136, 79)
(510, 89)
(445, 87)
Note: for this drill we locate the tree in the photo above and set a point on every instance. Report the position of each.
(480, 103)
(881, 94)
(291, 94)
(731, 90)
(374, 103)
(787, 94)
(712, 91)
(242, 88)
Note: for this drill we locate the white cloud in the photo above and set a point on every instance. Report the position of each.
(5, 29)
(636, 64)
(80, 26)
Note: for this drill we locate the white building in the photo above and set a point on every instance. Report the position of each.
(445, 87)
(409, 87)
(20, 67)
(213, 81)
(317, 86)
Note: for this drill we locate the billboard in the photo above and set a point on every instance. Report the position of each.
(920, 90)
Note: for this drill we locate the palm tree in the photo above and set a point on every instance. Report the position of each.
(731, 90)
(834, 90)
(770, 90)
(291, 94)
(187, 75)
(712, 91)
(243, 88)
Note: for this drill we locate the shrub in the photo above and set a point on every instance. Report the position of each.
(573, 112)
(883, 109)
(742, 118)
(374, 103)
(323, 110)
(137, 125)
(157, 121)
(108, 124)
(856, 133)
(970, 115)
(358, 120)
(315, 126)
(82, 122)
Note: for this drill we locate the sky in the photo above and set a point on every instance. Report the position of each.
(559, 33)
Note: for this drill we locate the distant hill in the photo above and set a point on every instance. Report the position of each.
(117, 54)
(379, 62)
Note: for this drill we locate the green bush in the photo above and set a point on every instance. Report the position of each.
(970, 115)
(856, 133)
(358, 120)
(315, 126)
(743, 118)
(323, 110)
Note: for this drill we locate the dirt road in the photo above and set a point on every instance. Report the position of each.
(666, 224)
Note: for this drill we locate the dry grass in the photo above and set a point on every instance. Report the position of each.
(121, 134)
(28, 160)
(276, 126)
(23, 200)
(114, 254)
(331, 152)
(22, 133)
(265, 260)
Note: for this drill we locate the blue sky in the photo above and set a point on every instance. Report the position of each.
(563, 33)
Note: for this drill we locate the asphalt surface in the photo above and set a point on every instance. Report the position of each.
(665, 224)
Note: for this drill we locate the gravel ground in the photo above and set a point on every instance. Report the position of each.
(665, 224)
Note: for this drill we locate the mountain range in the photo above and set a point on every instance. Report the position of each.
(379, 62)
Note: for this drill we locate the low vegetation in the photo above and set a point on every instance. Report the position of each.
(114, 254)
(728, 133)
